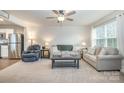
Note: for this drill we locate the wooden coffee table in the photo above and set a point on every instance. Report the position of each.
(74, 59)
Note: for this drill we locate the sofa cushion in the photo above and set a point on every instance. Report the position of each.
(91, 51)
(112, 51)
(109, 51)
(66, 54)
(70, 53)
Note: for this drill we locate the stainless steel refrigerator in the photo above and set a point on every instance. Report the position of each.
(15, 45)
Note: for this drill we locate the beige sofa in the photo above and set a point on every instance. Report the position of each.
(103, 58)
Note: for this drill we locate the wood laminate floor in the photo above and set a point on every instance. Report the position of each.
(4, 62)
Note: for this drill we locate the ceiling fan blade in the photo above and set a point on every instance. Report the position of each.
(69, 19)
(61, 12)
(55, 11)
(70, 13)
(50, 17)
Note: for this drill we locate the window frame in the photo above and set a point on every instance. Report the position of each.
(94, 36)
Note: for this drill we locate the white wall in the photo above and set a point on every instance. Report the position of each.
(106, 18)
(60, 34)
(54, 35)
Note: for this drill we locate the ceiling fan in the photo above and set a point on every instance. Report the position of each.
(62, 15)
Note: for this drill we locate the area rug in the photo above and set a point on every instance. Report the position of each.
(41, 72)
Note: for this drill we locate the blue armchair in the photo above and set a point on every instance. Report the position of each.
(32, 54)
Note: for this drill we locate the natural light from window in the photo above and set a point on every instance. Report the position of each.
(105, 35)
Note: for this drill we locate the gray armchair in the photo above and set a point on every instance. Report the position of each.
(32, 54)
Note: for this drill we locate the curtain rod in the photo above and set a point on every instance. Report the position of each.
(106, 21)
(113, 17)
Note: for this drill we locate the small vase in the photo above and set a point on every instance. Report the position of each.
(43, 47)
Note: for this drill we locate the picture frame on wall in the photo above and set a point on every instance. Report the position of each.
(2, 35)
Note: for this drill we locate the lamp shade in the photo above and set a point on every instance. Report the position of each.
(31, 41)
(83, 44)
(46, 43)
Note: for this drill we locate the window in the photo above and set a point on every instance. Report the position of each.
(105, 35)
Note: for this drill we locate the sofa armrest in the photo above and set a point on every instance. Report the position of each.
(102, 57)
(25, 52)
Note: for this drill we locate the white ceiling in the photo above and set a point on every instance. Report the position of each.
(5, 22)
(82, 17)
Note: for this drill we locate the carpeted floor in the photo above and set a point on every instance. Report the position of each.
(41, 72)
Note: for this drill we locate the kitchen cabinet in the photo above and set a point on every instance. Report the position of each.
(4, 51)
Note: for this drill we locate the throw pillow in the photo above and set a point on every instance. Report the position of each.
(57, 54)
(98, 49)
(91, 51)
(103, 51)
(77, 48)
(112, 51)
(109, 51)
(54, 49)
(74, 53)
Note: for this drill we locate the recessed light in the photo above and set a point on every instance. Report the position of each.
(1, 19)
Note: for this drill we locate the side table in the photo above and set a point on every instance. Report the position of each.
(83, 51)
(45, 53)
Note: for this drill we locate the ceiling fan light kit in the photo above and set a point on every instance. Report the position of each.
(62, 15)
(61, 18)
